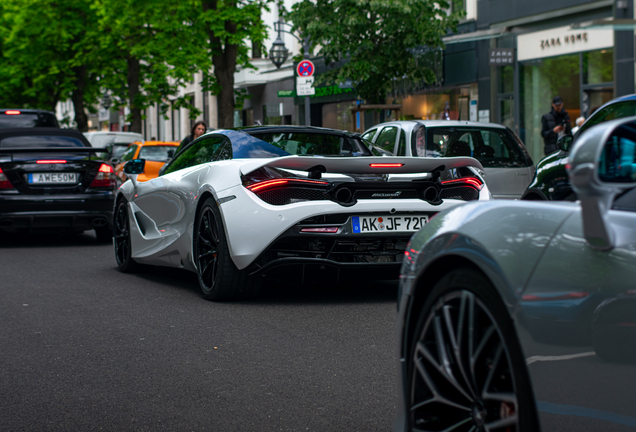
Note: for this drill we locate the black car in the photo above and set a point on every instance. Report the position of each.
(52, 180)
(27, 118)
(551, 180)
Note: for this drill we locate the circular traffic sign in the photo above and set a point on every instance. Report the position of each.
(305, 68)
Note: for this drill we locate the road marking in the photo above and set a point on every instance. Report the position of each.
(533, 359)
(572, 410)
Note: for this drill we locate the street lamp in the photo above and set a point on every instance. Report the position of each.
(278, 54)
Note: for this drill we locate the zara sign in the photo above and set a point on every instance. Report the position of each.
(560, 41)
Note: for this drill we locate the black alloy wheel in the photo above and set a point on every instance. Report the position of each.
(121, 233)
(207, 250)
(219, 279)
(466, 370)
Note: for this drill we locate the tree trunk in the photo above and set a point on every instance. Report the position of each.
(134, 94)
(81, 119)
(224, 61)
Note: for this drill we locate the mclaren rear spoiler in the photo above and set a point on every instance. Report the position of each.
(362, 165)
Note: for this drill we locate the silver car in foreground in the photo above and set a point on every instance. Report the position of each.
(521, 316)
(507, 163)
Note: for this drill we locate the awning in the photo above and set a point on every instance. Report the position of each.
(614, 24)
(474, 36)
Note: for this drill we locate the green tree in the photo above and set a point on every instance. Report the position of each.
(376, 37)
(154, 47)
(230, 25)
(48, 54)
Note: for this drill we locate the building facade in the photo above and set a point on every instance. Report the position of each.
(507, 61)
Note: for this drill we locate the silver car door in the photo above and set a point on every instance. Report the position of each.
(507, 175)
(577, 315)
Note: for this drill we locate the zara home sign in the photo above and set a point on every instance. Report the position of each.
(560, 41)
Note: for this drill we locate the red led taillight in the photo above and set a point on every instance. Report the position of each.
(51, 161)
(472, 182)
(4, 181)
(105, 177)
(277, 183)
(386, 165)
(321, 230)
(12, 112)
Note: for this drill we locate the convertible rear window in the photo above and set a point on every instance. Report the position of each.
(494, 148)
(304, 143)
(31, 141)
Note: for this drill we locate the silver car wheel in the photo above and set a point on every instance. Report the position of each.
(462, 378)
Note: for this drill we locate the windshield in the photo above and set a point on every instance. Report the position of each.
(40, 141)
(156, 153)
(494, 148)
(610, 112)
(27, 119)
(310, 143)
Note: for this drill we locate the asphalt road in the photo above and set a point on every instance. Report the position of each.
(85, 347)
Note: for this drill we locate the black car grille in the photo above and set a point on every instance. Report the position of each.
(365, 249)
(463, 193)
(291, 195)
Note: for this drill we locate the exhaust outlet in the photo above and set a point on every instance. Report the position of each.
(344, 195)
(431, 195)
(99, 222)
(6, 223)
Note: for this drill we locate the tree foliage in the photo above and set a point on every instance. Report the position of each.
(230, 26)
(47, 54)
(140, 52)
(376, 37)
(154, 47)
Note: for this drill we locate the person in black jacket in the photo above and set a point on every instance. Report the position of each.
(198, 129)
(554, 124)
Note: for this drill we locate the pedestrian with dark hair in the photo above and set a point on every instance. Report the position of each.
(198, 129)
(554, 124)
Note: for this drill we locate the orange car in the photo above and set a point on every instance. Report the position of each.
(156, 153)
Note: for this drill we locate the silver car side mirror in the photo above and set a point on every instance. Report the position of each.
(603, 164)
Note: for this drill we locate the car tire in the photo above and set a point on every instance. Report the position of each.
(104, 234)
(219, 279)
(122, 244)
(465, 365)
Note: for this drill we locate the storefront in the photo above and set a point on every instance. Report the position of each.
(577, 65)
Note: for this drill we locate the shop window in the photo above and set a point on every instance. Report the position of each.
(506, 82)
(541, 80)
(386, 139)
(458, 6)
(598, 66)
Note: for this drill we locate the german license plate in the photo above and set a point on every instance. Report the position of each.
(378, 224)
(57, 178)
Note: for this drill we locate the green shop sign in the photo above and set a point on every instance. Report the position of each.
(320, 91)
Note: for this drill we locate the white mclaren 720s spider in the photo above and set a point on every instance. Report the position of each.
(283, 203)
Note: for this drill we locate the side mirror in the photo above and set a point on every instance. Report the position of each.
(135, 166)
(564, 143)
(602, 165)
